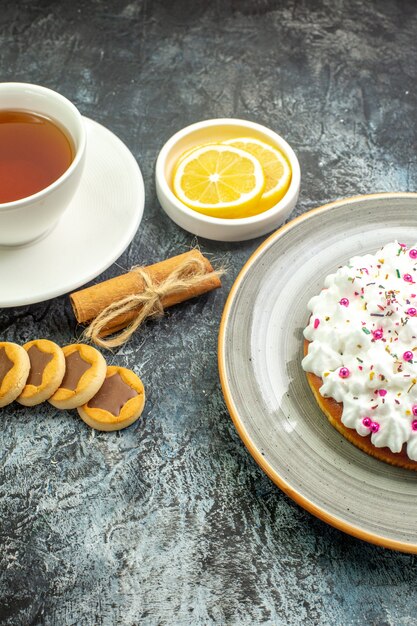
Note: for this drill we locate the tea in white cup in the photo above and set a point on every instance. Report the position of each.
(42, 153)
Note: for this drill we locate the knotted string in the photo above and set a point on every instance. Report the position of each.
(148, 303)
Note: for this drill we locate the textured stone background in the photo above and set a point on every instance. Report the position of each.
(170, 522)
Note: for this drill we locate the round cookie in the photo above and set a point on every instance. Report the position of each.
(14, 370)
(47, 368)
(118, 403)
(84, 375)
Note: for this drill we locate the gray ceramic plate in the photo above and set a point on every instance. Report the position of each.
(260, 350)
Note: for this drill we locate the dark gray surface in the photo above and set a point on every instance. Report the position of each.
(171, 521)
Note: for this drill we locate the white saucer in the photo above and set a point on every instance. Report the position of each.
(96, 228)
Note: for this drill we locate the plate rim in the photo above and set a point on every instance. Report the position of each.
(76, 284)
(276, 478)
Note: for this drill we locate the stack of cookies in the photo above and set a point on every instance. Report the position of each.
(73, 377)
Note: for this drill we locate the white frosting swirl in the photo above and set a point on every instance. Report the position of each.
(363, 345)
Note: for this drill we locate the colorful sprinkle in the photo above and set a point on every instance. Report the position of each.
(344, 372)
(316, 323)
(411, 386)
(382, 392)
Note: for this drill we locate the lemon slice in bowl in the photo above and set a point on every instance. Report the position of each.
(276, 168)
(220, 181)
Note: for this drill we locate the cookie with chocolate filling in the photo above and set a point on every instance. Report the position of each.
(14, 370)
(47, 369)
(118, 403)
(84, 375)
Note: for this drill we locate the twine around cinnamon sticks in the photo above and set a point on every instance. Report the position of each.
(125, 302)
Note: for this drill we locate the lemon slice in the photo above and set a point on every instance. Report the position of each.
(276, 168)
(220, 181)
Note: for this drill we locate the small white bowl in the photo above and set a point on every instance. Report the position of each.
(214, 227)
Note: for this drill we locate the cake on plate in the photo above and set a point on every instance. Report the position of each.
(361, 352)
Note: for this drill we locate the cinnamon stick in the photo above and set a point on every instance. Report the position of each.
(88, 303)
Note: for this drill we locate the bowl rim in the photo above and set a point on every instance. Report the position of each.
(253, 220)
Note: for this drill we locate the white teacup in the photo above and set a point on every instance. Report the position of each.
(28, 219)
